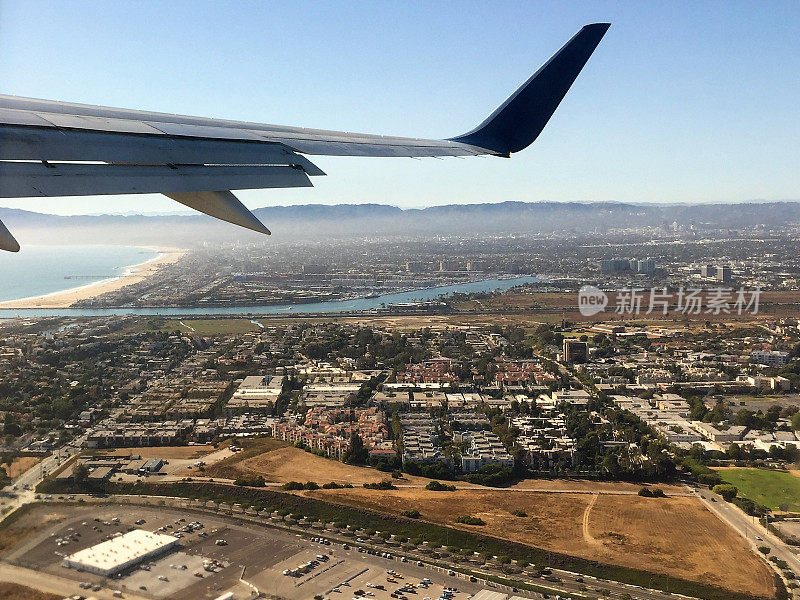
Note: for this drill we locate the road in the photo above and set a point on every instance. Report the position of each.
(751, 529)
(22, 490)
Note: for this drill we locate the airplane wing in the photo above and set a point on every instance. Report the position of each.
(50, 148)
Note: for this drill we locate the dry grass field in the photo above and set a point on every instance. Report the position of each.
(21, 464)
(282, 463)
(14, 591)
(604, 521)
(582, 486)
(675, 536)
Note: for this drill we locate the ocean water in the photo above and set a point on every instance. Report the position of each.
(39, 270)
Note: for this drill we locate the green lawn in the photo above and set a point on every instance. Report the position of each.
(213, 326)
(769, 488)
(200, 326)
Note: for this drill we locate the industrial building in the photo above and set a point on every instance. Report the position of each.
(119, 553)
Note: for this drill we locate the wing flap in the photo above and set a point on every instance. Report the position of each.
(221, 205)
(22, 180)
(7, 241)
(34, 143)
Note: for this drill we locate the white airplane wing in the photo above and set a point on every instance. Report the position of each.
(50, 148)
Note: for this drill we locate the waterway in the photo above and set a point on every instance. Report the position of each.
(358, 305)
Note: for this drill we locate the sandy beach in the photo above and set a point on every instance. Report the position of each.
(133, 274)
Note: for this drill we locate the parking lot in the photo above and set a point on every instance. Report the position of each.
(216, 552)
(347, 573)
(214, 555)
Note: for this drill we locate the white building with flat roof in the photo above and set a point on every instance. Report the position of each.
(119, 553)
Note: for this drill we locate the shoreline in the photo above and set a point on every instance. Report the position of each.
(131, 275)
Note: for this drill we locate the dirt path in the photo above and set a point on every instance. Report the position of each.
(586, 535)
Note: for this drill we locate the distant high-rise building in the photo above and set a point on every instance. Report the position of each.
(417, 267)
(619, 265)
(724, 274)
(450, 265)
(615, 265)
(647, 267)
(575, 351)
(708, 271)
(315, 269)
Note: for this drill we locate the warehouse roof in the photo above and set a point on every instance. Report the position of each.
(121, 550)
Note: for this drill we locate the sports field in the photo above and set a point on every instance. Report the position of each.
(769, 488)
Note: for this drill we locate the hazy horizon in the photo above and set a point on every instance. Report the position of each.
(188, 212)
(679, 104)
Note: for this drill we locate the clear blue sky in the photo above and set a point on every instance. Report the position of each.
(681, 102)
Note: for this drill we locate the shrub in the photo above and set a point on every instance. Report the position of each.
(411, 514)
(310, 485)
(491, 475)
(469, 520)
(293, 485)
(250, 481)
(726, 490)
(437, 486)
(383, 485)
(519, 513)
(645, 493)
(764, 550)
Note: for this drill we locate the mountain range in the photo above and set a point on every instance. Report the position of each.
(378, 220)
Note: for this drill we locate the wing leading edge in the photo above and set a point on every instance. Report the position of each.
(50, 148)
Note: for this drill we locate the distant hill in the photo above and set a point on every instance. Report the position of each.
(314, 221)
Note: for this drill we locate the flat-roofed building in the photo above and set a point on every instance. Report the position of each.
(117, 554)
(770, 358)
(256, 394)
(573, 397)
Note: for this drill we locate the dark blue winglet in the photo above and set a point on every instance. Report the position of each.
(519, 120)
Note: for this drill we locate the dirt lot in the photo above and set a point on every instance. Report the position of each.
(164, 451)
(23, 527)
(278, 462)
(675, 536)
(21, 464)
(13, 591)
